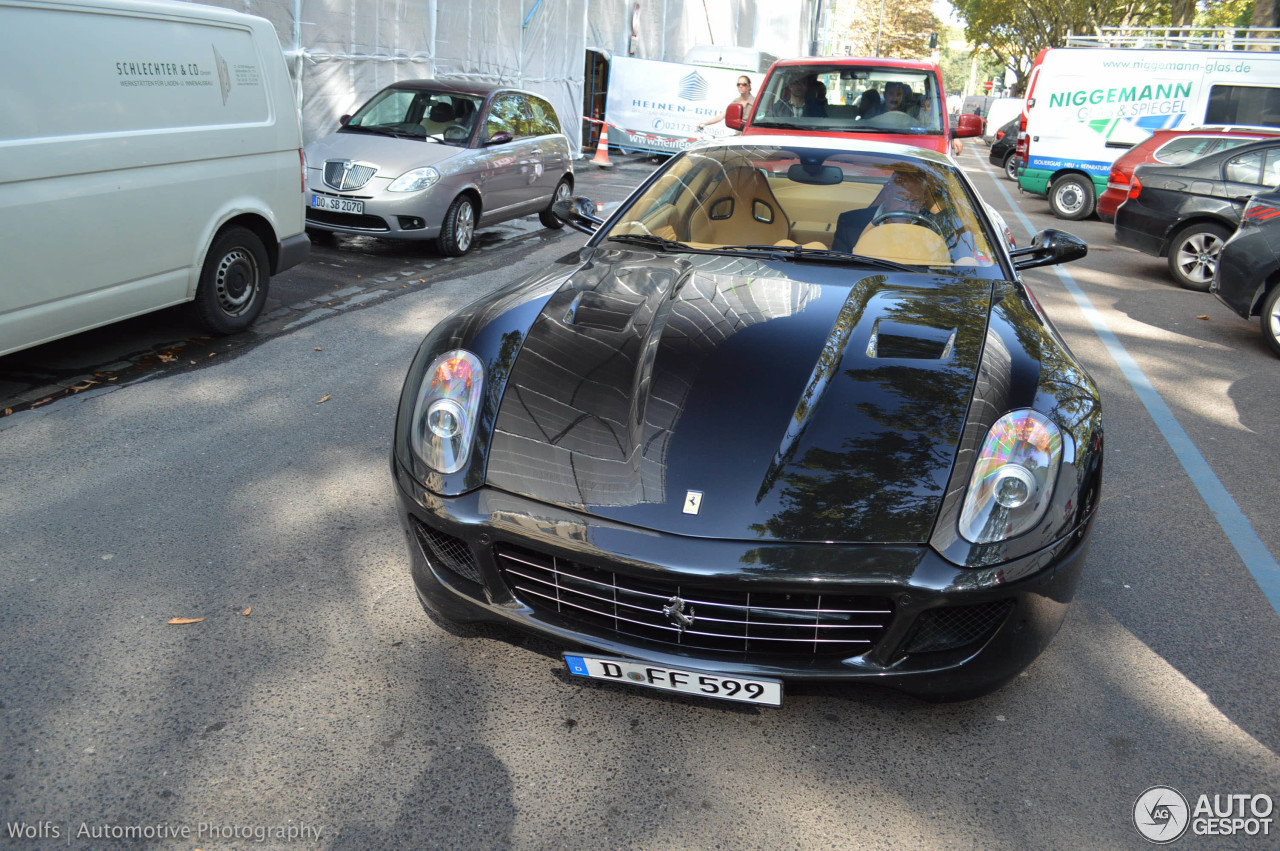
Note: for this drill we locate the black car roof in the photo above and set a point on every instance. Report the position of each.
(461, 87)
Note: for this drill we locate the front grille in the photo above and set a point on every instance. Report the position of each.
(956, 626)
(329, 217)
(344, 175)
(607, 603)
(447, 551)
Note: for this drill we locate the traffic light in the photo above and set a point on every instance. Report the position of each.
(933, 41)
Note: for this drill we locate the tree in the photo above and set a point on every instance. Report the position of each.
(904, 32)
(1015, 31)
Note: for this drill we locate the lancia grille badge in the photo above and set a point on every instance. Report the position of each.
(674, 610)
(692, 502)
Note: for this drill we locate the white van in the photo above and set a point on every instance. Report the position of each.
(150, 155)
(1087, 106)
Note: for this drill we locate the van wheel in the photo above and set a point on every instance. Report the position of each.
(458, 232)
(549, 219)
(1011, 166)
(1193, 254)
(1072, 197)
(233, 282)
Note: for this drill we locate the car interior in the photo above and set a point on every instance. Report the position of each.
(721, 203)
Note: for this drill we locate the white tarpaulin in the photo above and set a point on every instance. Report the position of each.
(342, 51)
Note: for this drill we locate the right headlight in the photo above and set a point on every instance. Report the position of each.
(1013, 478)
(446, 410)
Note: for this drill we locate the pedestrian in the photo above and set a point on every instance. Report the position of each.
(745, 97)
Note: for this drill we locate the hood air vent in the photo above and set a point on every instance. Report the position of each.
(913, 342)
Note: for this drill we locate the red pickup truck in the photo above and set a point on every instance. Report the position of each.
(885, 100)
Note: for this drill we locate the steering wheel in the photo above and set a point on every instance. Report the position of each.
(905, 217)
(456, 133)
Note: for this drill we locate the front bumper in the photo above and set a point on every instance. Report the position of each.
(949, 632)
(403, 215)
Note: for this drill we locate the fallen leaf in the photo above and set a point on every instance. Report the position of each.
(422, 280)
(183, 620)
(246, 611)
(211, 354)
(166, 358)
(318, 349)
(42, 402)
(323, 399)
(1202, 317)
(8, 411)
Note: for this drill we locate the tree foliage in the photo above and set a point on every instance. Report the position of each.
(904, 33)
(1015, 31)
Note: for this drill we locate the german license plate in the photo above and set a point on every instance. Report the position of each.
(742, 689)
(337, 205)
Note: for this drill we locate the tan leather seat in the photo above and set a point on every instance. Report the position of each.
(903, 243)
(741, 210)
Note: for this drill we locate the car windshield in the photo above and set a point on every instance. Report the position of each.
(446, 117)
(837, 204)
(850, 100)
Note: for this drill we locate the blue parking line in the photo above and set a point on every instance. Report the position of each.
(1252, 551)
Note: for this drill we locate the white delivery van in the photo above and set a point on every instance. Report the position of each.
(150, 155)
(1087, 106)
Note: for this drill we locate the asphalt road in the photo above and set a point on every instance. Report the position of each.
(251, 489)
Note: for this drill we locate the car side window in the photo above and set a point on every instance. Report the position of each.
(1271, 171)
(1179, 151)
(544, 117)
(508, 113)
(1246, 168)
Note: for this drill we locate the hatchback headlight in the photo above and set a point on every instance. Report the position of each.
(1013, 478)
(448, 405)
(415, 180)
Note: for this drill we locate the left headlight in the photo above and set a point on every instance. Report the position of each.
(1013, 478)
(415, 180)
(445, 414)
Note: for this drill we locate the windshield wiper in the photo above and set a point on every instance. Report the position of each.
(786, 125)
(799, 252)
(650, 241)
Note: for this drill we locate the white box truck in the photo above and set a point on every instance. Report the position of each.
(150, 155)
(1087, 106)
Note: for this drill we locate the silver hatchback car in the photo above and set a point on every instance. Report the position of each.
(426, 159)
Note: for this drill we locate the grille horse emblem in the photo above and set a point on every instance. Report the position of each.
(674, 610)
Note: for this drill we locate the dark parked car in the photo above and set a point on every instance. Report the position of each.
(427, 159)
(1186, 212)
(1174, 147)
(1248, 278)
(713, 450)
(1004, 149)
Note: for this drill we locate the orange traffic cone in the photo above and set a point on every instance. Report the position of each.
(602, 148)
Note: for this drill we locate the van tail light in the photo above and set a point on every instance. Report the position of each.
(1135, 187)
(1259, 212)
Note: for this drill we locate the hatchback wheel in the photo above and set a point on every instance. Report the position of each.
(1011, 166)
(458, 231)
(1193, 254)
(549, 219)
(1072, 197)
(1271, 318)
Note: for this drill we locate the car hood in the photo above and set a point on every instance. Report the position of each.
(734, 398)
(392, 156)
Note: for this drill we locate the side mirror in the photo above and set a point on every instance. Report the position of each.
(502, 137)
(966, 125)
(1049, 248)
(578, 213)
(733, 118)
(344, 120)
